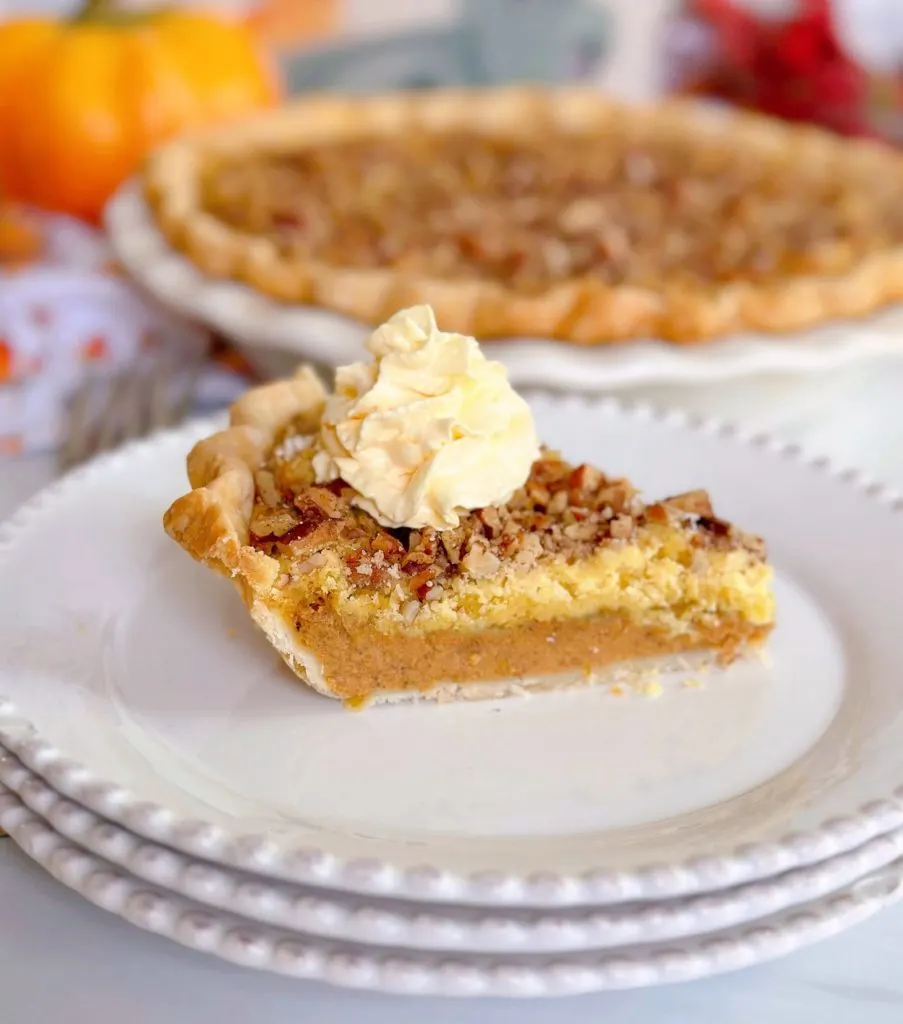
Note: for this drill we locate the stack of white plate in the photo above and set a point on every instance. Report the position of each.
(160, 760)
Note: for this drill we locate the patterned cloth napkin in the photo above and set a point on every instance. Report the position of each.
(66, 313)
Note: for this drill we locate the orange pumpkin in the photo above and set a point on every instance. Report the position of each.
(82, 101)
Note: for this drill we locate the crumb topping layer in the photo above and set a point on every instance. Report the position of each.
(529, 211)
(563, 517)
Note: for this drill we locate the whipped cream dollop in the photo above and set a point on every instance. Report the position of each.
(428, 430)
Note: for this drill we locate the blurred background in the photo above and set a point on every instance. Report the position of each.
(834, 61)
(71, 319)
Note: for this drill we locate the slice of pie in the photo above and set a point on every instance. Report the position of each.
(568, 572)
(519, 212)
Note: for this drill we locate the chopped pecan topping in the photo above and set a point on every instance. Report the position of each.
(306, 527)
(272, 522)
(267, 491)
(621, 206)
(717, 527)
(387, 545)
(527, 550)
(579, 530)
(492, 520)
(697, 503)
(480, 562)
(453, 543)
(657, 513)
(421, 582)
(616, 495)
(328, 502)
(584, 480)
(310, 513)
(622, 527)
(562, 511)
(558, 503)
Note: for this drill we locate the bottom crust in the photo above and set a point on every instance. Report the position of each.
(355, 664)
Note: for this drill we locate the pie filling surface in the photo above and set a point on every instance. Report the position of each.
(553, 214)
(532, 212)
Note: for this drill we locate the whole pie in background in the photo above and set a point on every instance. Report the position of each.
(553, 214)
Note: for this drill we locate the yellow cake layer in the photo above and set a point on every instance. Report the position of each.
(662, 580)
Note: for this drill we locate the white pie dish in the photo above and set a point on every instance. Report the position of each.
(132, 677)
(274, 336)
(409, 972)
(437, 926)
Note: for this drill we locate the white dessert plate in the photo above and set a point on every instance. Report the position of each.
(426, 926)
(135, 684)
(275, 336)
(417, 972)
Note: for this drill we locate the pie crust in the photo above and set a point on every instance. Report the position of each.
(515, 597)
(850, 234)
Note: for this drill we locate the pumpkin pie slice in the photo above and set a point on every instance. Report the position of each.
(570, 573)
(555, 214)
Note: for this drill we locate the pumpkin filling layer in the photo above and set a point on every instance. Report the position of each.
(612, 206)
(357, 665)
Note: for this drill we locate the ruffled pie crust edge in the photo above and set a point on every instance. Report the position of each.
(580, 311)
(211, 522)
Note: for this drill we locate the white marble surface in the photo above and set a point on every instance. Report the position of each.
(63, 960)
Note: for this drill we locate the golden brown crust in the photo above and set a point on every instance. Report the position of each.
(583, 311)
(211, 521)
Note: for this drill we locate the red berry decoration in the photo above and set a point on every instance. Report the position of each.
(795, 69)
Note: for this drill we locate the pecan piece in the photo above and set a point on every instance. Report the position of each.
(716, 527)
(529, 551)
(480, 562)
(272, 523)
(538, 493)
(453, 542)
(696, 503)
(424, 544)
(557, 503)
(265, 483)
(312, 529)
(491, 520)
(615, 495)
(657, 513)
(584, 478)
(622, 527)
(413, 566)
(580, 531)
(388, 545)
(422, 583)
(326, 500)
(511, 538)
(310, 514)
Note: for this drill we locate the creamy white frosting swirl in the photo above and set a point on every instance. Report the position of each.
(430, 429)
